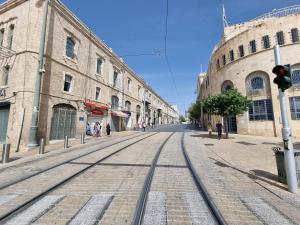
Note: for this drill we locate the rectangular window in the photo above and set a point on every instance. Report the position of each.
(1, 37)
(70, 48)
(252, 46)
(295, 35)
(261, 110)
(139, 91)
(115, 79)
(10, 36)
(68, 83)
(99, 66)
(129, 85)
(98, 93)
(224, 59)
(295, 107)
(280, 38)
(5, 73)
(218, 63)
(266, 41)
(241, 50)
(231, 54)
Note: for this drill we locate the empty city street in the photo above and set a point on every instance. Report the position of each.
(166, 175)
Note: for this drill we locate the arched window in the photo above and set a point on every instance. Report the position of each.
(127, 106)
(114, 102)
(257, 83)
(138, 109)
(227, 85)
(296, 77)
(70, 46)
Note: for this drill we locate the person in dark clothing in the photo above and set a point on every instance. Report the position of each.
(144, 126)
(219, 129)
(108, 129)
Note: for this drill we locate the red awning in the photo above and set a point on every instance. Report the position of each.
(119, 114)
(97, 112)
(96, 105)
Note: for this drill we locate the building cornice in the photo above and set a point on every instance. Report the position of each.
(7, 5)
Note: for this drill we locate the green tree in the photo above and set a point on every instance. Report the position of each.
(227, 103)
(195, 111)
(182, 119)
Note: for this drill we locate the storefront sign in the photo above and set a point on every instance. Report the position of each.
(2, 92)
(81, 118)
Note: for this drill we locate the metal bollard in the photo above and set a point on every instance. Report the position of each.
(66, 143)
(82, 138)
(5, 153)
(42, 146)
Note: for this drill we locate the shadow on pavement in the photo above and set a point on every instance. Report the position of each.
(213, 136)
(258, 174)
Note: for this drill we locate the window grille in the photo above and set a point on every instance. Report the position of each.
(5, 73)
(10, 36)
(261, 110)
(127, 106)
(257, 83)
(231, 54)
(296, 77)
(295, 35)
(266, 41)
(70, 46)
(98, 93)
(68, 83)
(252, 46)
(114, 102)
(99, 66)
(241, 50)
(224, 60)
(295, 107)
(1, 37)
(280, 38)
(115, 79)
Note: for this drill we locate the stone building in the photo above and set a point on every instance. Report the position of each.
(83, 79)
(244, 59)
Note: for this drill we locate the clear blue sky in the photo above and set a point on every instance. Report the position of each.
(194, 27)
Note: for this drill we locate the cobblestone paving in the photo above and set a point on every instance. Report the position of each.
(123, 181)
(229, 180)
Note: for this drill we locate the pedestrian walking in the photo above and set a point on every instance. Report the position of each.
(144, 126)
(219, 129)
(209, 128)
(108, 129)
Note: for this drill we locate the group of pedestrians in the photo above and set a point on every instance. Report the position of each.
(95, 129)
(219, 127)
(150, 125)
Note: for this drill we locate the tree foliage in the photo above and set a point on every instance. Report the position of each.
(195, 111)
(227, 103)
(182, 119)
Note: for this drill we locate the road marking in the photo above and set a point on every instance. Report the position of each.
(155, 212)
(7, 198)
(265, 212)
(198, 210)
(35, 211)
(92, 212)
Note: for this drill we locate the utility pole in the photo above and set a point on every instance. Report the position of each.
(289, 158)
(40, 71)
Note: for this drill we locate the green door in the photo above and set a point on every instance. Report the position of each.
(4, 114)
(63, 123)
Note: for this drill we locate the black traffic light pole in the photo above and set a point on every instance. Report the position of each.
(289, 158)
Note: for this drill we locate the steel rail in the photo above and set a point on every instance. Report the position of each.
(141, 204)
(59, 164)
(47, 156)
(6, 217)
(201, 187)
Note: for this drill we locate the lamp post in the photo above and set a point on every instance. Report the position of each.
(40, 71)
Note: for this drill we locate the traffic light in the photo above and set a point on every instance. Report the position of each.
(283, 78)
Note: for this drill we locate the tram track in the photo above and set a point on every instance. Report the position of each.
(11, 183)
(26, 204)
(139, 214)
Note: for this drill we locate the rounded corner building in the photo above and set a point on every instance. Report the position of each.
(244, 59)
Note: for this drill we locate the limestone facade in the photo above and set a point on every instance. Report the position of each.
(81, 76)
(244, 59)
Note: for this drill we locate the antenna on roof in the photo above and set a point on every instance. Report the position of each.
(225, 22)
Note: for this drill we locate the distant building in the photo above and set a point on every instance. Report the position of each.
(244, 59)
(84, 81)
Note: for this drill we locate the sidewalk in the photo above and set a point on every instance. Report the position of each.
(58, 145)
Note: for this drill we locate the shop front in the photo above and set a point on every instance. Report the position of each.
(119, 120)
(96, 118)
